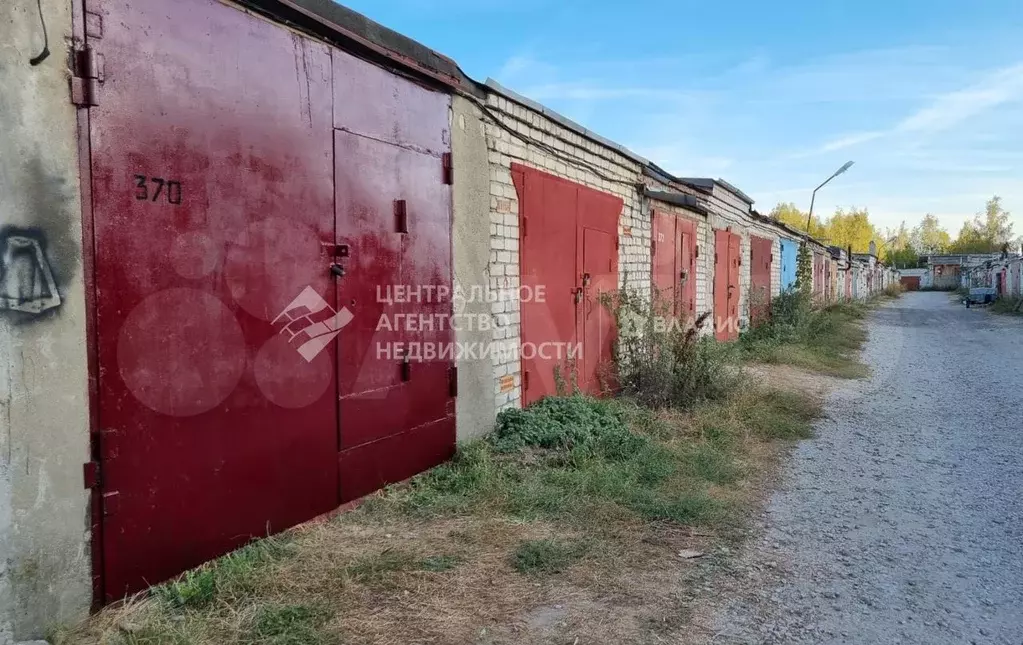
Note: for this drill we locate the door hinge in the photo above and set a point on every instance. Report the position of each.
(90, 472)
(525, 380)
(618, 243)
(86, 76)
(401, 215)
(525, 226)
(715, 257)
(453, 382)
(449, 168)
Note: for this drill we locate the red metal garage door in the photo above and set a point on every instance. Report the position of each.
(213, 183)
(568, 249)
(910, 283)
(727, 260)
(674, 262)
(761, 257)
(394, 213)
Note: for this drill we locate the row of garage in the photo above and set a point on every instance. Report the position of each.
(258, 207)
(559, 191)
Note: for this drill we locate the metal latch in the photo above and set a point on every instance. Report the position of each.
(406, 368)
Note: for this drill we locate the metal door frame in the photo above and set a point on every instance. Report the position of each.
(79, 38)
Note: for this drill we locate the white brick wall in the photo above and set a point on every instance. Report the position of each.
(634, 226)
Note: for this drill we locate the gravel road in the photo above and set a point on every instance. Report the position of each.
(902, 521)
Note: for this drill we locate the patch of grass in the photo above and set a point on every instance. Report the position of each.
(782, 415)
(439, 563)
(230, 576)
(288, 625)
(547, 556)
(712, 463)
(820, 340)
(603, 491)
(156, 634)
(1008, 305)
(374, 568)
(894, 290)
(571, 459)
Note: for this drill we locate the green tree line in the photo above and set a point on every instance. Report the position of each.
(990, 231)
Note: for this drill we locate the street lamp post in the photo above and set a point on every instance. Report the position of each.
(804, 263)
(846, 166)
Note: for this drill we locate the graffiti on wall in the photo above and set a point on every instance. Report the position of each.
(27, 283)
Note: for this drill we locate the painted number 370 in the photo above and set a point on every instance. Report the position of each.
(151, 189)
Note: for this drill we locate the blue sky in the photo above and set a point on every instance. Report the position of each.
(924, 95)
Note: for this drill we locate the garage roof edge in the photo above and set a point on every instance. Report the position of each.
(365, 38)
(563, 121)
(678, 199)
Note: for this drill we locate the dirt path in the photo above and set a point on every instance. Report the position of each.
(902, 522)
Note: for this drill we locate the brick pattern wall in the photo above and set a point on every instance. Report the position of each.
(547, 145)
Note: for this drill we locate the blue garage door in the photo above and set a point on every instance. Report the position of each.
(788, 263)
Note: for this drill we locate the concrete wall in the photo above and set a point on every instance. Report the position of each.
(474, 410)
(535, 132)
(44, 433)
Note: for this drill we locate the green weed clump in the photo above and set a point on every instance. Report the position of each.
(581, 426)
(660, 360)
(287, 625)
(1008, 305)
(894, 290)
(574, 459)
(547, 556)
(233, 575)
(823, 340)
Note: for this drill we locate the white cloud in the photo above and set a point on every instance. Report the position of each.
(849, 140)
(931, 129)
(951, 109)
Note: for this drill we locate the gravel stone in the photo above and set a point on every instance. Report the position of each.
(905, 511)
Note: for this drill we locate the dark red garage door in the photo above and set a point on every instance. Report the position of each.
(569, 250)
(727, 260)
(222, 200)
(674, 263)
(761, 257)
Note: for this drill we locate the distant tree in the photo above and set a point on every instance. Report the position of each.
(898, 248)
(996, 224)
(929, 237)
(851, 228)
(988, 232)
(787, 213)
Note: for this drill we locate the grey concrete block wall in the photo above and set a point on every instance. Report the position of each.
(44, 408)
(474, 407)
